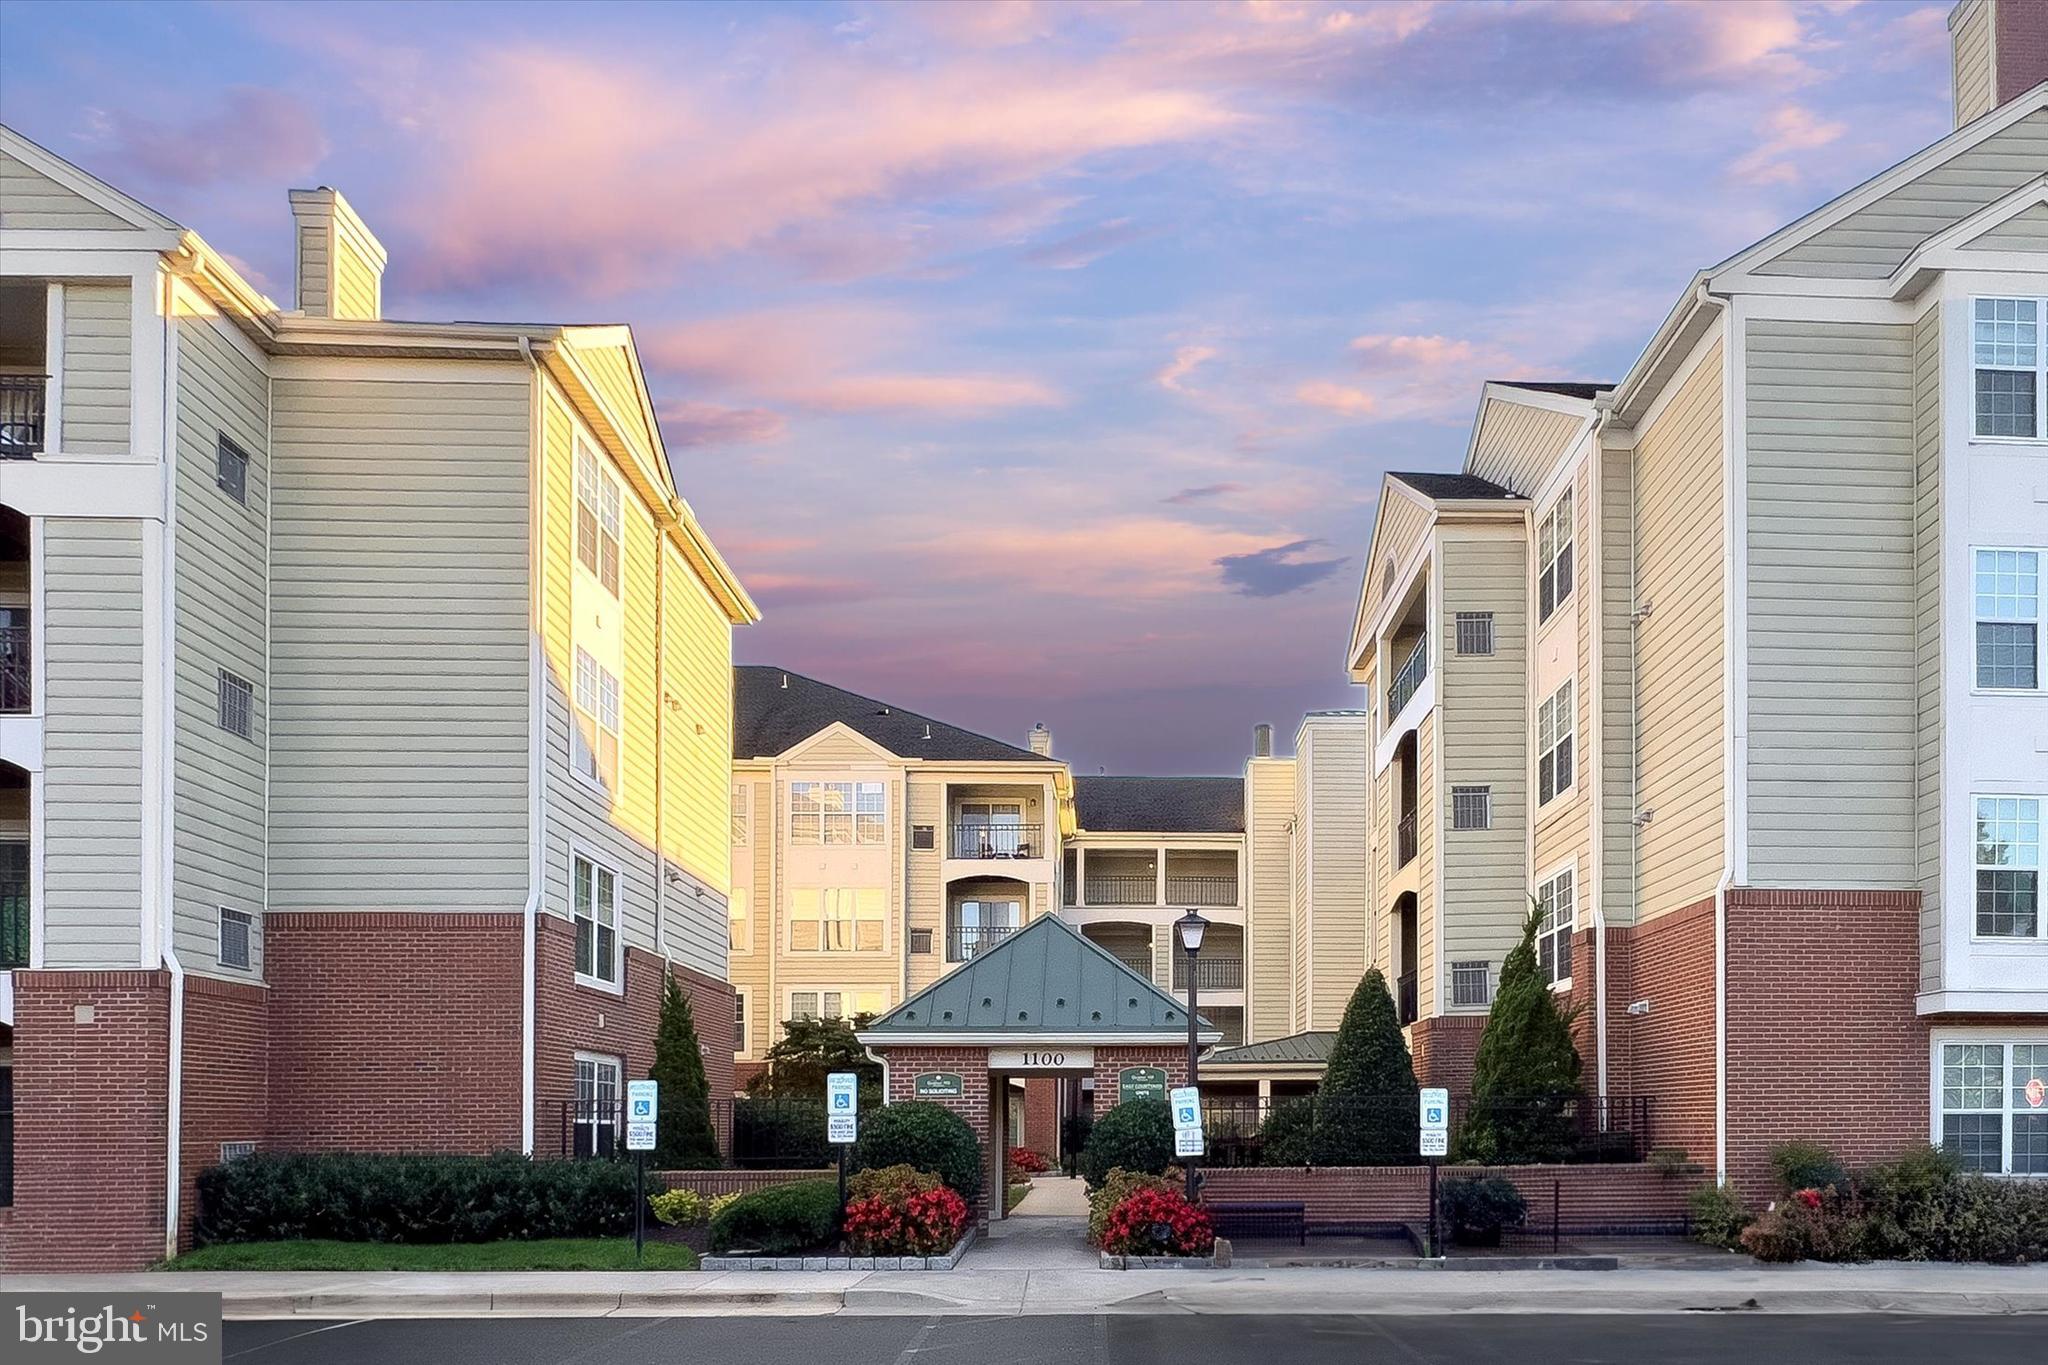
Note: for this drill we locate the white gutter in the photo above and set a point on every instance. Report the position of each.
(536, 742)
(1597, 818)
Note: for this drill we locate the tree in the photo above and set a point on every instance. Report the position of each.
(1366, 1110)
(685, 1139)
(1525, 1076)
(811, 1049)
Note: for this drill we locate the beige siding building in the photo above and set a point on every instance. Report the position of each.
(365, 712)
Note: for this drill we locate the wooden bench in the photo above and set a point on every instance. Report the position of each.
(1270, 1219)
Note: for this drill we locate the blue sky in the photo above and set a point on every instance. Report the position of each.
(1031, 362)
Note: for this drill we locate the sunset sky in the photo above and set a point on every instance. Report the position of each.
(1030, 362)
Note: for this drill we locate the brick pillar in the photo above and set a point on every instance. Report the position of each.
(91, 1090)
(906, 1064)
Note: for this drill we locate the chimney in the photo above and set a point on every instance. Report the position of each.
(1998, 50)
(340, 261)
(1041, 740)
(1262, 740)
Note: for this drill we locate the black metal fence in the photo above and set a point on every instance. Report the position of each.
(21, 415)
(752, 1133)
(972, 840)
(17, 672)
(1329, 1130)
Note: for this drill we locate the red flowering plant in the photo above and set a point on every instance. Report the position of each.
(1029, 1162)
(1155, 1222)
(899, 1212)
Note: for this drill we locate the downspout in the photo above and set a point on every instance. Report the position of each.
(536, 720)
(174, 1115)
(661, 751)
(1729, 738)
(1597, 817)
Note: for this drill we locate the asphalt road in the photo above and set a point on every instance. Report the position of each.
(1163, 1339)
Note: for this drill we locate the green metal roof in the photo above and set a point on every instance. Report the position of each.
(1044, 981)
(1297, 1048)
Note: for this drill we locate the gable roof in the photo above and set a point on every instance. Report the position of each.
(774, 710)
(1454, 487)
(1159, 805)
(1564, 388)
(1295, 1047)
(1044, 981)
(123, 211)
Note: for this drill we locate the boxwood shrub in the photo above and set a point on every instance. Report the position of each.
(350, 1197)
(1137, 1135)
(929, 1137)
(779, 1220)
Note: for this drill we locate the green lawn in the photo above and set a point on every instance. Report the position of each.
(1014, 1196)
(564, 1253)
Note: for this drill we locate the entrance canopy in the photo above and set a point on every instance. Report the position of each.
(1043, 984)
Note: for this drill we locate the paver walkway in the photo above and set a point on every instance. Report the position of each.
(1054, 1196)
(1047, 1231)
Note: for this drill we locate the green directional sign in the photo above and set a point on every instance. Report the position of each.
(1140, 1083)
(940, 1085)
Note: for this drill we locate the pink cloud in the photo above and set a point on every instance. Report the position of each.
(1109, 557)
(1788, 131)
(955, 393)
(1346, 399)
(1185, 362)
(1382, 353)
(686, 424)
(249, 134)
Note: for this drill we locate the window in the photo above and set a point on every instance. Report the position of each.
(924, 838)
(1555, 723)
(835, 1004)
(739, 1021)
(598, 518)
(596, 913)
(920, 941)
(595, 751)
(237, 705)
(2008, 866)
(1994, 1106)
(835, 919)
(1471, 808)
(1557, 916)
(234, 939)
(990, 829)
(597, 1105)
(235, 1151)
(231, 469)
(1554, 557)
(739, 814)
(739, 914)
(836, 813)
(975, 926)
(2005, 353)
(1475, 632)
(2008, 611)
(1472, 983)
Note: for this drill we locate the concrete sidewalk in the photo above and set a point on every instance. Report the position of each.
(1740, 1286)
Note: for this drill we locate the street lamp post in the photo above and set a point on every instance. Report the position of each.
(1190, 927)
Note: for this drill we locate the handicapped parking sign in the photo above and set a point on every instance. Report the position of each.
(841, 1087)
(643, 1105)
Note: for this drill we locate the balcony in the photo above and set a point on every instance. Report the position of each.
(21, 415)
(1408, 680)
(13, 905)
(978, 841)
(1121, 888)
(1405, 841)
(966, 941)
(1212, 973)
(1405, 999)
(17, 678)
(1201, 890)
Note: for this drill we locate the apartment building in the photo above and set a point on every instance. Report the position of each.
(364, 719)
(1734, 667)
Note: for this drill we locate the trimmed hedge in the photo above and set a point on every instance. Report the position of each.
(926, 1136)
(1137, 1135)
(779, 1220)
(348, 1197)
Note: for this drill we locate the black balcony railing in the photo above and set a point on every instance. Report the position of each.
(13, 906)
(1201, 888)
(1404, 998)
(1141, 963)
(995, 841)
(1122, 888)
(21, 415)
(1408, 680)
(964, 942)
(1404, 841)
(17, 678)
(1211, 973)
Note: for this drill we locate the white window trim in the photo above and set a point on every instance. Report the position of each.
(219, 947)
(598, 862)
(1536, 747)
(590, 1118)
(790, 921)
(608, 489)
(577, 714)
(744, 996)
(1571, 865)
(2039, 370)
(853, 812)
(742, 814)
(1938, 1039)
(845, 994)
(1567, 502)
(2040, 687)
(732, 897)
(1484, 787)
(1972, 866)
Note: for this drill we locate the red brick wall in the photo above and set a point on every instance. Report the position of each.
(711, 1184)
(571, 1018)
(1041, 1117)
(905, 1064)
(1823, 1043)
(394, 1032)
(1668, 1054)
(1444, 1048)
(89, 1104)
(226, 1079)
(2022, 47)
(1588, 1197)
